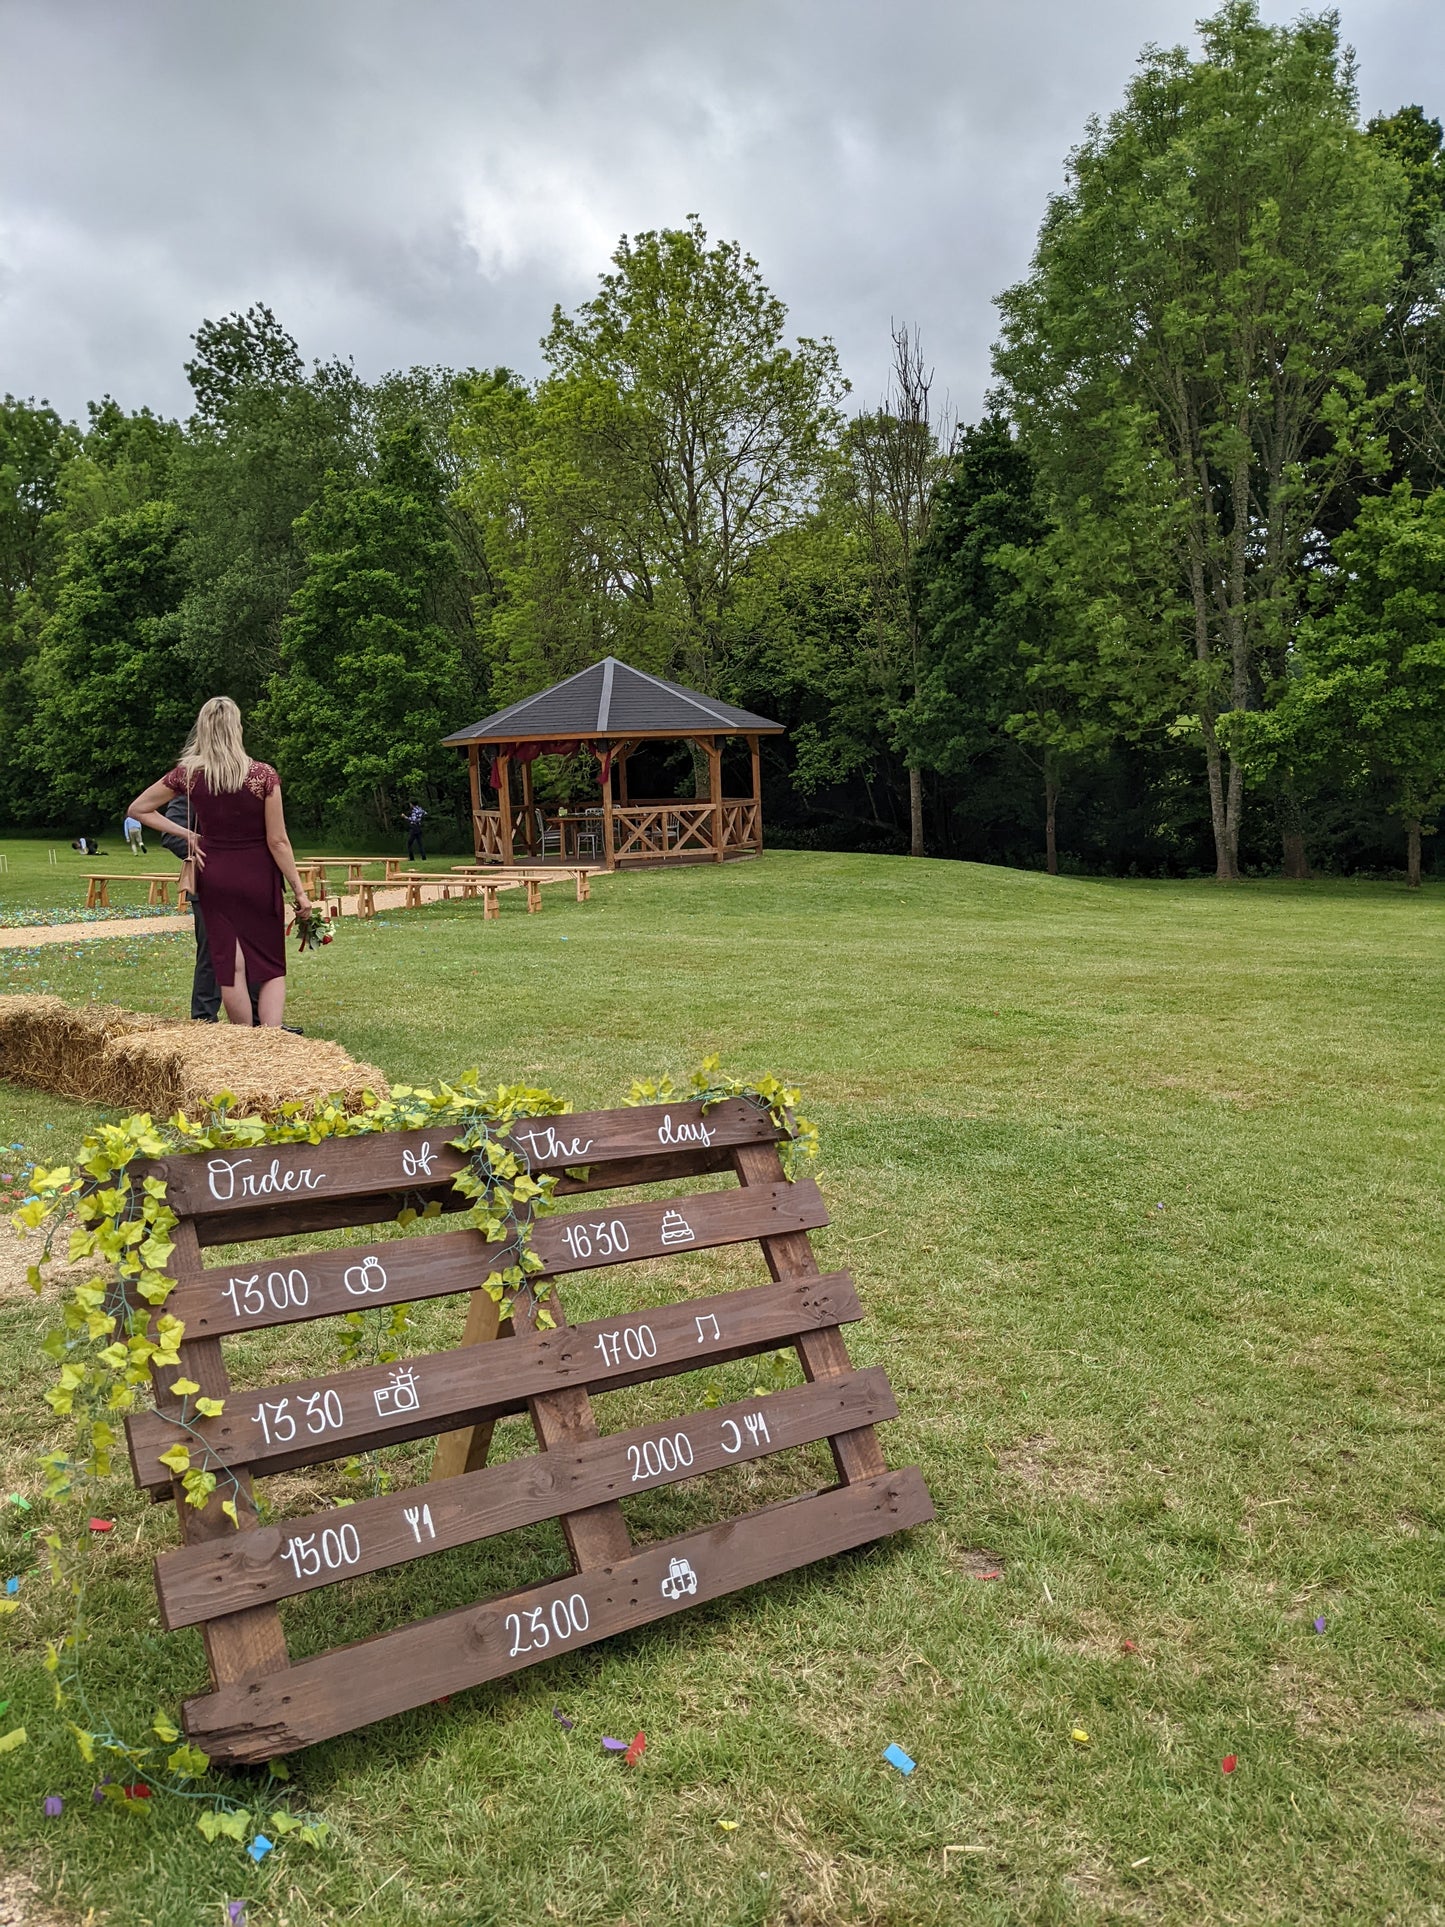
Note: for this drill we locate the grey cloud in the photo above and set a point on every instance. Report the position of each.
(420, 182)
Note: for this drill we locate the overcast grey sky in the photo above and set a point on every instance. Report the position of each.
(420, 180)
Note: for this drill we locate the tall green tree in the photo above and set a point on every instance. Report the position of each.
(894, 461)
(1411, 351)
(264, 437)
(1188, 356)
(1365, 697)
(685, 431)
(370, 677)
(110, 684)
(1006, 659)
(36, 448)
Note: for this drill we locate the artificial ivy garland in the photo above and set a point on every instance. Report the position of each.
(114, 1333)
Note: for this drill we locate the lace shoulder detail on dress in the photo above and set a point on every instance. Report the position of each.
(175, 779)
(261, 779)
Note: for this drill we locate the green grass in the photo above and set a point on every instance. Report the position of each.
(1141, 1187)
(32, 882)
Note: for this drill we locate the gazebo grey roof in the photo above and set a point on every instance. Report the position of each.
(610, 700)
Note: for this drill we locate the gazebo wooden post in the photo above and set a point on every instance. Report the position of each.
(624, 750)
(714, 785)
(529, 816)
(504, 801)
(609, 841)
(753, 743)
(474, 756)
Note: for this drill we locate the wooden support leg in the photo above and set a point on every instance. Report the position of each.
(493, 909)
(584, 886)
(90, 893)
(534, 896)
(598, 1535)
(467, 1449)
(823, 1354)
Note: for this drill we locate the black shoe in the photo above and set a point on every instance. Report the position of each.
(295, 1029)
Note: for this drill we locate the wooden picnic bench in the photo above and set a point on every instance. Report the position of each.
(97, 893)
(581, 873)
(313, 870)
(232, 1581)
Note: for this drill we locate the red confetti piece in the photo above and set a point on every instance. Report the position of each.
(987, 1575)
(635, 1751)
(140, 1791)
(102, 1525)
(1129, 1647)
(1228, 1763)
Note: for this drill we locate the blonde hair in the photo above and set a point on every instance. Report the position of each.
(214, 749)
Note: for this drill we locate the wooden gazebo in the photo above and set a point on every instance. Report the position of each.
(610, 709)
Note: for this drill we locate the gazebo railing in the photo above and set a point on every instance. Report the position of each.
(654, 831)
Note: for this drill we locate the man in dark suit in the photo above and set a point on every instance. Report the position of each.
(205, 991)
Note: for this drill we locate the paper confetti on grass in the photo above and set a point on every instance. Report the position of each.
(895, 1756)
(729, 1826)
(562, 1719)
(17, 1736)
(635, 1751)
(102, 1525)
(260, 1847)
(54, 1806)
(1228, 1763)
(1080, 1737)
(1320, 1623)
(614, 1746)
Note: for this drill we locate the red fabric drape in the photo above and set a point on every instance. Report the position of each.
(529, 752)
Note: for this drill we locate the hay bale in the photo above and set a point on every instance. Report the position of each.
(129, 1060)
(55, 1046)
(182, 1066)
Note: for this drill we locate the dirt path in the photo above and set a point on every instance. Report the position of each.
(27, 936)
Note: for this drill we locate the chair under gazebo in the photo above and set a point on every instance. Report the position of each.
(611, 709)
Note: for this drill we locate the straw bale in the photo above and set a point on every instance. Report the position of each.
(58, 1047)
(132, 1061)
(183, 1065)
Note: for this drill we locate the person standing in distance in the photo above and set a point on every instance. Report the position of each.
(134, 841)
(238, 843)
(415, 817)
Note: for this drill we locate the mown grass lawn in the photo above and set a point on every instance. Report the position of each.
(1141, 1184)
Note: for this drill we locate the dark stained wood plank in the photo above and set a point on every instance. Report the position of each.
(220, 1184)
(334, 1214)
(352, 1685)
(823, 1354)
(308, 1421)
(250, 1642)
(194, 1583)
(221, 1299)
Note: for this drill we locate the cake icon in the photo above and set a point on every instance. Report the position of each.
(676, 1230)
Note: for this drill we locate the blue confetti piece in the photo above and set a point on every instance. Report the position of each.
(260, 1847)
(614, 1746)
(12, 1586)
(1320, 1623)
(895, 1756)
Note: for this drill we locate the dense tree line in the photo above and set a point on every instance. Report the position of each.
(1175, 603)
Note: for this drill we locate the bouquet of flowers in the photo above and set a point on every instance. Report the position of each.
(312, 928)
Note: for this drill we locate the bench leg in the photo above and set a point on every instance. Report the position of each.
(493, 910)
(534, 896)
(90, 894)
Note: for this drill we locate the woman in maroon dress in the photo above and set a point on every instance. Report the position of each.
(241, 853)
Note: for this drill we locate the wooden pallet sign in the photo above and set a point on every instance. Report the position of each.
(231, 1582)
